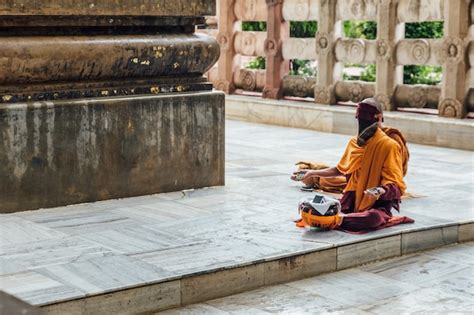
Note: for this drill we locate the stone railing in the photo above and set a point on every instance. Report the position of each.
(454, 97)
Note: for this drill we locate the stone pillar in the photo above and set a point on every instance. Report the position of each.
(386, 77)
(225, 37)
(453, 58)
(106, 100)
(325, 46)
(276, 66)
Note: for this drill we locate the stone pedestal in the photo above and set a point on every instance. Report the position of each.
(104, 101)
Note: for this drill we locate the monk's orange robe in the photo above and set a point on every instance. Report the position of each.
(379, 162)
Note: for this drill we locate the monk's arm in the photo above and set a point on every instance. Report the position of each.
(327, 172)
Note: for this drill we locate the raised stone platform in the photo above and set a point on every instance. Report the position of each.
(157, 252)
(418, 128)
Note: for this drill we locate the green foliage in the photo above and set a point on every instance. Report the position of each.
(424, 30)
(368, 74)
(365, 30)
(257, 63)
(254, 26)
(302, 67)
(430, 75)
(303, 29)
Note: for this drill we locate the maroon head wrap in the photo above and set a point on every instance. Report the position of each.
(368, 109)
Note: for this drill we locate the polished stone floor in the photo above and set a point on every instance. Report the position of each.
(70, 252)
(440, 281)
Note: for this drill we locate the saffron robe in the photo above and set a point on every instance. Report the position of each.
(378, 163)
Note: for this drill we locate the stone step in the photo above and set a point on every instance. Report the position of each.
(249, 275)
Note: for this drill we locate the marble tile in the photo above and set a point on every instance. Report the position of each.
(353, 287)
(82, 221)
(139, 239)
(459, 254)
(196, 309)
(38, 254)
(213, 285)
(282, 299)
(368, 251)
(457, 282)
(140, 300)
(37, 289)
(159, 212)
(466, 232)
(299, 267)
(104, 274)
(416, 269)
(423, 301)
(204, 257)
(16, 231)
(427, 239)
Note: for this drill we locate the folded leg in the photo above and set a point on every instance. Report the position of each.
(367, 220)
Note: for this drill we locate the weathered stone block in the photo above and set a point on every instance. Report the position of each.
(72, 151)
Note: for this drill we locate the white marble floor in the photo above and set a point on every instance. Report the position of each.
(440, 281)
(64, 253)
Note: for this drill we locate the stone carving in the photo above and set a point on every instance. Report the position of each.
(322, 94)
(250, 10)
(420, 10)
(452, 50)
(357, 8)
(299, 48)
(249, 80)
(417, 97)
(298, 86)
(420, 51)
(223, 41)
(356, 92)
(223, 86)
(384, 100)
(450, 107)
(322, 43)
(272, 3)
(271, 47)
(384, 49)
(356, 51)
(300, 10)
(271, 93)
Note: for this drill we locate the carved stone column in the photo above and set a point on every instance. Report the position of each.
(453, 58)
(106, 100)
(276, 66)
(386, 65)
(325, 47)
(225, 38)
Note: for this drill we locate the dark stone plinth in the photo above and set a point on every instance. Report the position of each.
(12, 306)
(73, 151)
(106, 99)
(108, 7)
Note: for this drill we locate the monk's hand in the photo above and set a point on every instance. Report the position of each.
(375, 192)
(308, 175)
(298, 175)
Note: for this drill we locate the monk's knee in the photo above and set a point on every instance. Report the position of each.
(374, 219)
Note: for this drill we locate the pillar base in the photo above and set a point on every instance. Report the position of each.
(54, 153)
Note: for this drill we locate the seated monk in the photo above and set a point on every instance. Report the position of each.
(370, 172)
